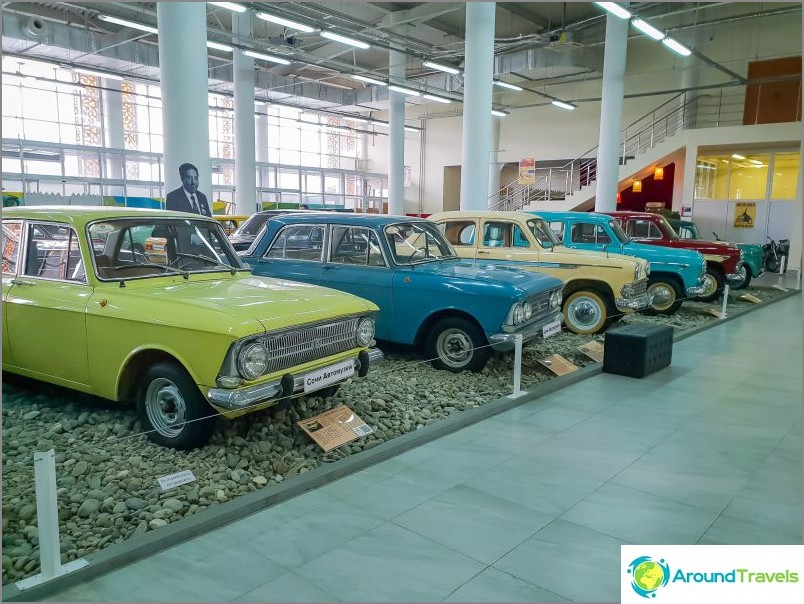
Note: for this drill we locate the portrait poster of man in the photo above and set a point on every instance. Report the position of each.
(187, 198)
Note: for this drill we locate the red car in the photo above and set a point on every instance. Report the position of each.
(722, 259)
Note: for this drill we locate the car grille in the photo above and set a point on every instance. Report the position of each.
(297, 346)
(640, 287)
(540, 305)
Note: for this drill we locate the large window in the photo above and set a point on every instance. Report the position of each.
(743, 175)
(785, 175)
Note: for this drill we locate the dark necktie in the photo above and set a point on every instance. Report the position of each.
(196, 209)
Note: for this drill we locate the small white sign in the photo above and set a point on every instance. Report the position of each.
(171, 481)
(551, 329)
(328, 375)
(363, 430)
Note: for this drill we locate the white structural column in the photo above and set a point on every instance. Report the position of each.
(261, 135)
(494, 164)
(611, 113)
(113, 126)
(479, 70)
(244, 123)
(794, 259)
(185, 97)
(396, 134)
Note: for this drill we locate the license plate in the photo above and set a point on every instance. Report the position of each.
(327, 376)
(551, 329)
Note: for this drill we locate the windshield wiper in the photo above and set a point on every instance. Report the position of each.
(164, 267)
(212, 261)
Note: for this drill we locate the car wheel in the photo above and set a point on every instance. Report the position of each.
(585, 312)
(714, 282)
(667, 296)
(745, 277)
(454, 344)
(172, 410)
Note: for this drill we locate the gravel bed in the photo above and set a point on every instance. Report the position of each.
(106, 470)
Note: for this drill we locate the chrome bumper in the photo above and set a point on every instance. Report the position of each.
(636, 303)
(504, 342)
(734, 277)
(697, 290)
(238, 398)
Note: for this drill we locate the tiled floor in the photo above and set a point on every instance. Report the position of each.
(706, 451)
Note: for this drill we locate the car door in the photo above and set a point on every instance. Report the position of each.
(46, 307)
(356, 263)
(296, 253)
(503, 240)
(12, 234)
(591, 236)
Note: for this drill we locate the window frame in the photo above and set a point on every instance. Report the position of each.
(371, 232)
(20, 247)
(325, 237)
(29, 224)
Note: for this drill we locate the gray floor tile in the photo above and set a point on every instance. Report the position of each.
(369, 476)
(390, 563)
(493, 585)
(287, 588)
(639, 517)
(551, 559)
(731, 531)
(473, 522)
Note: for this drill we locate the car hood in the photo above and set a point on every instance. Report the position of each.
(489, 272)
(716, 248)
(239, 306)
(610, 258)
(655, 253)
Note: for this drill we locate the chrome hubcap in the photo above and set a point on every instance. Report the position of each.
(584, 312)
(710, 285)
(663, 295)
(165, 407)
(454, 347)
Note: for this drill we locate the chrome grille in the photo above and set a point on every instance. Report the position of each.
(294, 347)
(540, 304)
(640, 287)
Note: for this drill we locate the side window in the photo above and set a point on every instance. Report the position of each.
(587, 232)
(684, 232)
(558, 228)
(460, 233)
(302, 242)
(355, 245)
(497, 234)
(53, 253)
(654, 232)
(639, 229)
(520, 239)
(11, 245)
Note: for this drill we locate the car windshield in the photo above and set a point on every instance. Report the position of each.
(416, 242)
(665, 226)
(139, 247)
(618, 231)
(253, 225)
(543, 233)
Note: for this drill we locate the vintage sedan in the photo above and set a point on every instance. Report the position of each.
(675, 274)
(186, 331)
(598, 287)
(428, 297)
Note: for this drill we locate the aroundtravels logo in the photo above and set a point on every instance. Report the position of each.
(648, 575)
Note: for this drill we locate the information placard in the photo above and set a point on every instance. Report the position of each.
(558, 364)
(171, 481)
(335, 427)
(551, 329)
(750, 298)
(594, 350)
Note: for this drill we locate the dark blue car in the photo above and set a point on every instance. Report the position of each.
(455, 310)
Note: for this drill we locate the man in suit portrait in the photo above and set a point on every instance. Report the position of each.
(187, 198)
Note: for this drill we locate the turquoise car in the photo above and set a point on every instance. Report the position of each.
(675, 274)
(751, 266)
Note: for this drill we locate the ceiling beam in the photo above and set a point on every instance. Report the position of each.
(516, 10)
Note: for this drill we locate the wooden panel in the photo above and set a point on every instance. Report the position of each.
(771, 102)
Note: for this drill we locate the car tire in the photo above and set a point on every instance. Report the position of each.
(172, 410)
(716, 281)
(746, 271)
(667, 296)
(455, 344)
(586, 311)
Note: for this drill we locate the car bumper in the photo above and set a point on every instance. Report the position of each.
(697, 290)
(503, 342)
(735, 277)
(236, 399)
(635, 303)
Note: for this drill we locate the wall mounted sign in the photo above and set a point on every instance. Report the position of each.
(527, 171)
(745, 214)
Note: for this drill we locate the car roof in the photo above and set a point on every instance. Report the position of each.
(479, 214)
(85, 214)
(367, 220)
(570, 214)
(631, 214)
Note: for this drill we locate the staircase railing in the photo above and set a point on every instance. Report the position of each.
(683, 111)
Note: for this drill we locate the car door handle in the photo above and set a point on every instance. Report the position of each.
(21, 282)
(483, 252)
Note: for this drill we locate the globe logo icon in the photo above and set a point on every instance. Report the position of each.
(648, 575)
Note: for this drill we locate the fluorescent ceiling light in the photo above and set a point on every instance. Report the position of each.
(498, 113)
(647, 29)
(437, 99)
(614, 9)
(507, 85)
(126, 23)
(756, 161)
(379, 123)
(677, 47)
(344, 40)
(271, 58)
(705, 167)
(110, 76)
(230, 5)
(736, 156)
(411, 129)
(219, 46)
(563, 105)
(440, 67)
(286, 22)
(369, 80)
(404, 90)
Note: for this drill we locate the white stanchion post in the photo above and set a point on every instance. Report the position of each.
(48, 523)
(725, 302)
(517, 367)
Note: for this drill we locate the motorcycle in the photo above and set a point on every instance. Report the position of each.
(772, 254)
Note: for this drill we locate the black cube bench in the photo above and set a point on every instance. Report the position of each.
(637, 349)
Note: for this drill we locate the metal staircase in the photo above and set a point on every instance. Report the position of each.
(682, 112)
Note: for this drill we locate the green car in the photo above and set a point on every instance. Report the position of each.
(752, 253)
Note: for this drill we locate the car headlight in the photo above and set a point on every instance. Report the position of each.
(519, 314)
(555, 298)
(365, 331)
(252, 361)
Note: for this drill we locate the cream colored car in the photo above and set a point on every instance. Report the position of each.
(598, 287)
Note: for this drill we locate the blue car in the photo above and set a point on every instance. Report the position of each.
(455, 310)
(675, 274)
